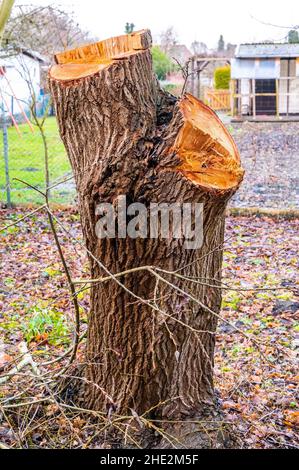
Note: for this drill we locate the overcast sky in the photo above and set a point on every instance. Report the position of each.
(238, 21)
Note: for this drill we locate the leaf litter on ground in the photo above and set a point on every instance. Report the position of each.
(256, 382)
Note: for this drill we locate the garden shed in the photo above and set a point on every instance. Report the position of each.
(265, 81)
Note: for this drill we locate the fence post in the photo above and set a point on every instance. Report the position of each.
(254, 98)
(277, 97)
(198, 82)
(5, 153)
(192, 76)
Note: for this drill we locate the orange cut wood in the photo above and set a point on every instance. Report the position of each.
(68, 72)
(208, 154)
(90, 59)
(109, 48)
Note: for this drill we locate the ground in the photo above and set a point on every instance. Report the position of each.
(269, 153)
(256, 376)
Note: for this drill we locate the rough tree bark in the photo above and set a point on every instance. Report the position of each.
(125, 136)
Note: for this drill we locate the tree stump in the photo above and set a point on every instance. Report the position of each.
(150, 345)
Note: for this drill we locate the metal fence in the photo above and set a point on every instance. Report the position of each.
(22, 151)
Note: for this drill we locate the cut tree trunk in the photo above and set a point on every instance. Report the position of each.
(150, 346)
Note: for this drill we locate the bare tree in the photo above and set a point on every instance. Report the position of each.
(199, 48)
(168, 38)
(43, 29)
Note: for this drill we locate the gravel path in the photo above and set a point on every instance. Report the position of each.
(270, 156)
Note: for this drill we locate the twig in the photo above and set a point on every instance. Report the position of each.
(70, 282)
(65, 267)
(185, 72)
(30, 186)
(27, 360)
(107, 278)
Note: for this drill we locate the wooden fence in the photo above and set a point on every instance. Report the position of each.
(218, 99)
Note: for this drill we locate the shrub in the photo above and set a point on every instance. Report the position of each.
(222, 78)
(161, 62)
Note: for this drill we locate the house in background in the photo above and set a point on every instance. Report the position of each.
(265, 81)
(20, 75)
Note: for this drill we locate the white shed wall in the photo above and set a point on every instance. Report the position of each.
(19, 70)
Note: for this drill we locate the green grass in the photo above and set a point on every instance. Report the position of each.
(50, 324)
(26, 162)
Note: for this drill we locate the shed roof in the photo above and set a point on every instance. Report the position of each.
(267, 50)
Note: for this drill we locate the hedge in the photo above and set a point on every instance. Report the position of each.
(222, 78)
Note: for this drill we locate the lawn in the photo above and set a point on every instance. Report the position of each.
(26, 162)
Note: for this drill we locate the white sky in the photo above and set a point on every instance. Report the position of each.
(191, 19)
